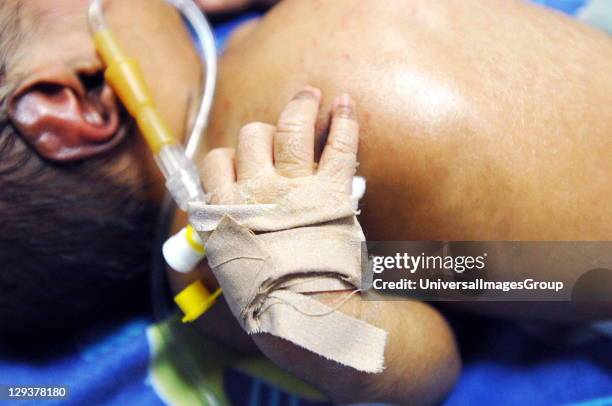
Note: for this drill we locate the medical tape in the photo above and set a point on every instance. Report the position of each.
(269, 258)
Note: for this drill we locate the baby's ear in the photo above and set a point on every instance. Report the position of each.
(66, 117)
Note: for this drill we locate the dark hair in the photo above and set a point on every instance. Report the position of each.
(74, 243)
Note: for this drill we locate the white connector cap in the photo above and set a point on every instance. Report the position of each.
(359, 187)
(184, 250)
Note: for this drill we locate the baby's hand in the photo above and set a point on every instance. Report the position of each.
(270, 161)
(273, 272)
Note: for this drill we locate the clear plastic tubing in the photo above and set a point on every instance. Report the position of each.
(125, 77)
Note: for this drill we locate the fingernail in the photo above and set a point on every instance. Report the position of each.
(344, 106)
(308, 92)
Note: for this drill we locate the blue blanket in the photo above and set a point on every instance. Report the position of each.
(129, 362)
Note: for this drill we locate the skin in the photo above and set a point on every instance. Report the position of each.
(472, 129)
(449, 93)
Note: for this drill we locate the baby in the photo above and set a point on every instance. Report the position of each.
(471, 129)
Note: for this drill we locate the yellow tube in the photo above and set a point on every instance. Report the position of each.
(125, 77)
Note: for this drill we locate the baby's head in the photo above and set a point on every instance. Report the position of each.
(79, 192)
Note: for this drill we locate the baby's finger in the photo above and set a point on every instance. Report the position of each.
(339, 158)
(217, 170)
(294, 139)
(254, 154)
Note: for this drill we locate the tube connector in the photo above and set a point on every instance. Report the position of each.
(182, 177)
(184, 250)
(125, 77)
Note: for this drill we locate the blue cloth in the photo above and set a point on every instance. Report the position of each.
(506, 366)
(567, 6)
(106, 365)
(109, 364)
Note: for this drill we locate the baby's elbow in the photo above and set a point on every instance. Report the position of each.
(422, 358)
(422, 362)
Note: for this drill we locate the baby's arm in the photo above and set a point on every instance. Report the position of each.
(421, 358)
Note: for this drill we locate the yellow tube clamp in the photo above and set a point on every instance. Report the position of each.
(195, 300)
